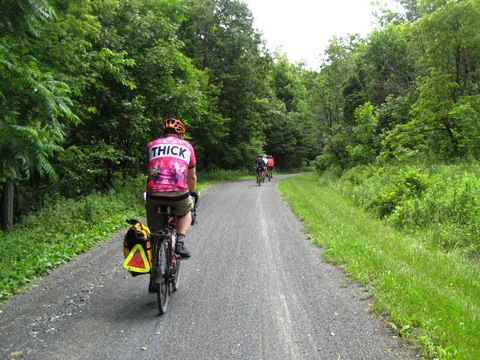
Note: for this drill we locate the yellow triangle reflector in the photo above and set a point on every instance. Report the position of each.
(137, 260)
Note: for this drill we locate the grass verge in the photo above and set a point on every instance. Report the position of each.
(432, 298)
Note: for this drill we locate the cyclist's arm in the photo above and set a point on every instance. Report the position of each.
(192, 179)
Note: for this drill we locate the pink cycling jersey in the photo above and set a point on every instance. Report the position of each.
(169, 159)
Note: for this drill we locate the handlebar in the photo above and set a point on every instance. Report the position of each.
(132, 221)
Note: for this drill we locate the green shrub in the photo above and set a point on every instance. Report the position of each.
(324, 162)
(440, 200)
(357, 175)
(386, 189)
(62, 229)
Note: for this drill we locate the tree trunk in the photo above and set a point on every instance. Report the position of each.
(7, 205)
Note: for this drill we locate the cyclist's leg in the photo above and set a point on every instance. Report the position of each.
(183, 221)
(155, 221)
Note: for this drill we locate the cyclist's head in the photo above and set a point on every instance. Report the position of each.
(173, 126)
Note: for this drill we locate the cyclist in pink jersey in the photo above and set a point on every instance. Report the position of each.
(172, 180)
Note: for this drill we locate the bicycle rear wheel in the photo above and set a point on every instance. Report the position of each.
(259, 179)
(162, 283)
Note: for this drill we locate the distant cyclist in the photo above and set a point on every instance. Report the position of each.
(260, 166)
(270, 166)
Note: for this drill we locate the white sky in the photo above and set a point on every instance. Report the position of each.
(303, 28)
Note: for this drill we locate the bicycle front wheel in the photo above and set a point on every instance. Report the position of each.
(162, 283)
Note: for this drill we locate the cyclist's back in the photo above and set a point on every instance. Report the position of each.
(270, 162)
(259, 164)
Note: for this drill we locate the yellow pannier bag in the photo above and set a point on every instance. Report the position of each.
(138, 233)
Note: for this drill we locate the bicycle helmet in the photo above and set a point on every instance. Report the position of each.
(174, 125)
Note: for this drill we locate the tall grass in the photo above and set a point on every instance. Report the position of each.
(432, 297)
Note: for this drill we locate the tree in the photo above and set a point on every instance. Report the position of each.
(220, 39)
(95, 74)
(364, 145)
(290, 133)
(166, 84)
(448, 40)
(388, 64)
(329, 99)
(129, 72)
(32, 103)
(20, 18)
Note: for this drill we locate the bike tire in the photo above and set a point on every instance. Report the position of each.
(162, 282)
(259, 180)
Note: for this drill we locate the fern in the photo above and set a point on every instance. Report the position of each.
(21, 17)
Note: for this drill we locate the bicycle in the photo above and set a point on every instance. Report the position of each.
(269, 174)
(165, 263)
(260, 176)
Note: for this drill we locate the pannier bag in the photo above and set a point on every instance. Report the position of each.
(137, 234)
